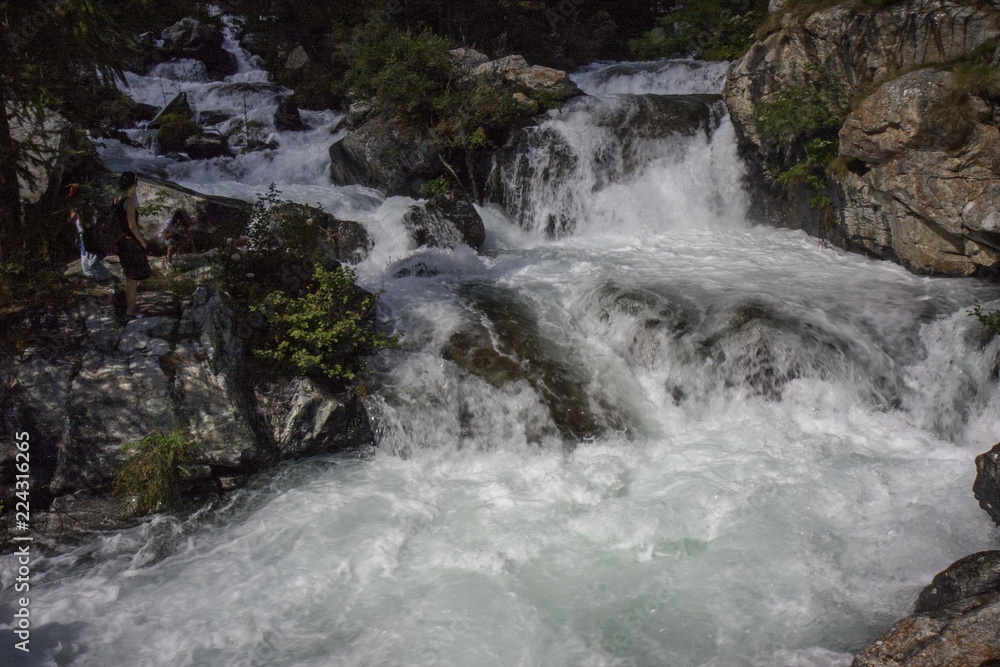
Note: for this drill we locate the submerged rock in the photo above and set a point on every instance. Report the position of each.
(508, 346)
(954, 625)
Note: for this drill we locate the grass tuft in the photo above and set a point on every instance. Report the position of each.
(152, 470)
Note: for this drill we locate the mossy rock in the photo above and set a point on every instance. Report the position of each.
(175, 129)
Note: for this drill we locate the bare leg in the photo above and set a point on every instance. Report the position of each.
(131, 287)
(170, 254)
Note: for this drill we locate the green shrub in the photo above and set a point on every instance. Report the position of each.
(152, 471)
(175, 129)
(816, 108)
(989, 319)
(710, 30)
(408, 73)
(328, 330)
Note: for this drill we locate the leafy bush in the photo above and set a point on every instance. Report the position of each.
(712, 30)
(152, 471)
(408, 73)
(813, 109)
(327, 330)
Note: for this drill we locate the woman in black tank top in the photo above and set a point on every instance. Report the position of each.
(131, 247)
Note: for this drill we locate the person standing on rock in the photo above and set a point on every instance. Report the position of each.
(91, 264)
(131, 246)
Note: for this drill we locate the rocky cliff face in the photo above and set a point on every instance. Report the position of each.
(83, 386)
(911, 194)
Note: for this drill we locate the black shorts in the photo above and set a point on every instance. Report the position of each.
(135, 263)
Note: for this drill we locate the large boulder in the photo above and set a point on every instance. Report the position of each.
(955, 621)
(211, 217)
(339, 240)
(287, 117)
(385, 154)
(544, 82)
(446, 221)
(189, 38)
(47, 136)
(919, 198)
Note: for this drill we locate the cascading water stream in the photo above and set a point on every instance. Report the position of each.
(637, 431)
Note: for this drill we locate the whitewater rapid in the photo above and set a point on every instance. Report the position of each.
(711, 445)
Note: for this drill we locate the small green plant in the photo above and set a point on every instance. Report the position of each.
(156, 206)
(152, 471)
(435, 187)
(328, 329)
(989, 319)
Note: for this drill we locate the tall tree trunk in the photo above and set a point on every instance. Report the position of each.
(11, 221)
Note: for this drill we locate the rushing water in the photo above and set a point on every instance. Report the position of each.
(647, 435)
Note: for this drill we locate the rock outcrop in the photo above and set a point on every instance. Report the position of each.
(921, 199)
(909, 193)
(85, 385)
(383, 152)
(339, 240)
(954, 623)
(189, 38)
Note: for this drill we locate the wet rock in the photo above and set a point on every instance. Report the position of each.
(308, 419)
(539, 157)
(287, 117)
(213, 117)
(446, 221)
(188, 38)
(206, 146)
(178, 107)
(512, 348)
(955, 624)
(987, 485)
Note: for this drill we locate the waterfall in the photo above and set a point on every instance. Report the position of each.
(635, 430)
